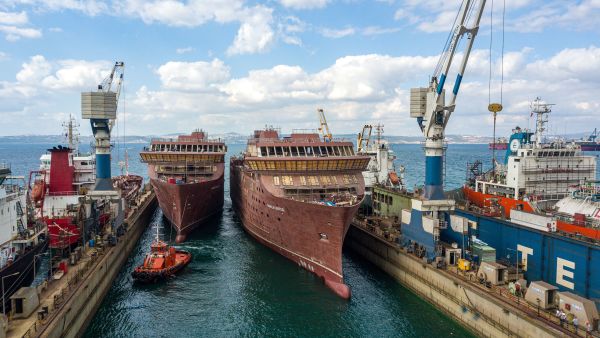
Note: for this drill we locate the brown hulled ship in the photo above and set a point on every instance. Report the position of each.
(297, 195)
(187, 176)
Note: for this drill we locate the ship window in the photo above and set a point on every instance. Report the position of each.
(294, 151)
(286, 151)
(301, 151)
(303, 180)
(346, 179)
(334, 180)
(313, 180)
(323, 151)
(325, 180)
(276, 180)
(309, 151)
(278, 151)
(271, 151)
(330, 151)
(336, 151)
(287, 180)
(263, 151)
(316, 151)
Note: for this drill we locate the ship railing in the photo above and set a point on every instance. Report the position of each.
(63, 193)
(328, 197)
(184, 141)
(295, 140)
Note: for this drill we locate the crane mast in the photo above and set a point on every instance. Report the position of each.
(428, 105)
(324, 128)
(100, 107)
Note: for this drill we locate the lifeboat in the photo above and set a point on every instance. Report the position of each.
(161, 263)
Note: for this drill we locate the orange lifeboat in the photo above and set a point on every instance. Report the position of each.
(161, 263)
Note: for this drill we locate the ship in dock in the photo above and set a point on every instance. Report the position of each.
(187, 175)
(500, 144)
(381, 169)
(550, 179)
(22, 239)
(297, 195)
(590, 143)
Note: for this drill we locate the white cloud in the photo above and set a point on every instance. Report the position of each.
(89, 7)
(14, 33)
(11, 24)
(255, 34)
(337, 33)
(184, 50)
(304, 4)
(193, 76)
(13, 18)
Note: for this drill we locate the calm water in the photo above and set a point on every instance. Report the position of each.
(236, 287)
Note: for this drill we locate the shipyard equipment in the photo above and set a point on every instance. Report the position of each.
(428, 105)
(542, 294)
(100, 107)
(323, 127)
(430, 213)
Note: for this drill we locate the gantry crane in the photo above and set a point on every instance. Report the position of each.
(324, 128)
(100, 107)
(428, 105)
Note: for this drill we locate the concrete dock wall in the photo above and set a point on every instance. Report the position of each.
(80, 307)
(472, 307)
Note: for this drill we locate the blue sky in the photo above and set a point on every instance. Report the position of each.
(233, 66)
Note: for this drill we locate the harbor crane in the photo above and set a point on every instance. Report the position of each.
(100, 107)
(428, 105)
(324, 128)
(364, 138)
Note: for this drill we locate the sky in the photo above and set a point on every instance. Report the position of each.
(236, 66)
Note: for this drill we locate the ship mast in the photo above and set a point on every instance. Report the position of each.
(541, 110)
(72, 133)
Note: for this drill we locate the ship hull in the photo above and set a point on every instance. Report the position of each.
(21, 273)
(497, 146)
(187, 206)
(590, 147)
(507, 203)
(294, 229)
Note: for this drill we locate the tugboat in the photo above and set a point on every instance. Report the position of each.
(161, 263)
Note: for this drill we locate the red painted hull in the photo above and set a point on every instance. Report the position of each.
(188, 205)
(498, 146)
(577, 229)
(292, 228)
(508, 204)
(62, 232)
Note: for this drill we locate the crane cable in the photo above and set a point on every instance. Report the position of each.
(501, 55)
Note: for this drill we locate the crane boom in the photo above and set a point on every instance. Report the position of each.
(428, 105)
(324, 128)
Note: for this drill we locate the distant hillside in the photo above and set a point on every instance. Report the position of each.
(236, 138)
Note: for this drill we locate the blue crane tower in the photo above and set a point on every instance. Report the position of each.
(429, 213)
(100, 107)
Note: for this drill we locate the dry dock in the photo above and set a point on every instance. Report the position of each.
(73, 300)
(486, 312)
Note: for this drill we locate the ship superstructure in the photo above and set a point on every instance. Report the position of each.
(187, 175)
(534, 175)
(297, 195)
(21, 238)
(381, 169)
(84, 165)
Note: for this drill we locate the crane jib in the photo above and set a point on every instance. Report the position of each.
(457, 84)
(440, 86)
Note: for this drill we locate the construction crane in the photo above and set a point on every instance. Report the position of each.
(100, 107)
(324, 128)
(363, 139)
(428, 105)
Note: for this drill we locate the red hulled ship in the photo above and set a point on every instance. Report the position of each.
(297, 195)
(187, 176)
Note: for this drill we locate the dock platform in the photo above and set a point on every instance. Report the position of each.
(68, 304)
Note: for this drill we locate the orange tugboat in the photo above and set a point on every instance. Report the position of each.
(162, 262)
